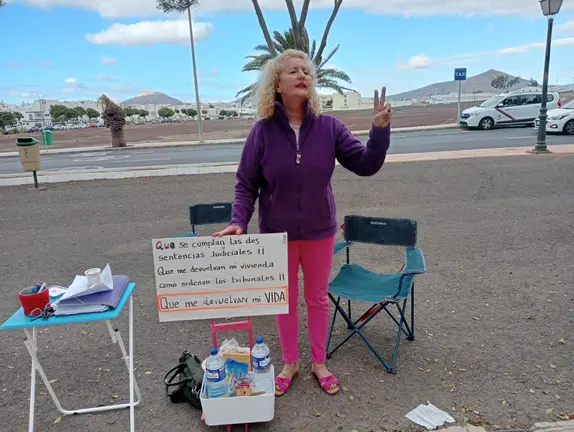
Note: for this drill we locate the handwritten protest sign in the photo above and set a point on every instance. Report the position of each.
(216, 277)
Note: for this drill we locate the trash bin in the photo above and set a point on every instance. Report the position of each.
(29, 153)
(47, 137)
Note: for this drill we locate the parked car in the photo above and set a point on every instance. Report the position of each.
(10, 130)
(560, 120)
(515, 108)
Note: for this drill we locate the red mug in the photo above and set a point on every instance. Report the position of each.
(34, 303)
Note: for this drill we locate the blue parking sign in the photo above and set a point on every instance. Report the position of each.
(460, 74)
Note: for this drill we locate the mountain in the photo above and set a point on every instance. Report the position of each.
(478, 83)
(152, 98)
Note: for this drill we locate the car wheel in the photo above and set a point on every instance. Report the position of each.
(486, 123)
(569, 128)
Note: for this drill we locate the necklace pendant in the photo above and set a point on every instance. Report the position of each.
(298, 159)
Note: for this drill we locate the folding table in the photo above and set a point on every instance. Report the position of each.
(30, 327)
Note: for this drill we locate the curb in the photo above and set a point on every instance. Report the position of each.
(231, 167)
(209, 142)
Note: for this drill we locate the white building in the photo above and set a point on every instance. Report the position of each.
(347, 101)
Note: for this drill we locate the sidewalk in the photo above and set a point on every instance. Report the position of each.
(493, 313)
(359, 133)
(194, 169)
(558, 426)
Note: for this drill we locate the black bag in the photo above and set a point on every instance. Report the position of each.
(188, 375)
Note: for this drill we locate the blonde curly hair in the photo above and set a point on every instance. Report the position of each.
(269, 78)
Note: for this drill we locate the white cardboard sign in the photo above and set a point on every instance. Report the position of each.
(221, 277)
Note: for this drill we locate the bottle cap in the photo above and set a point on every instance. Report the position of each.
(259, 340)
(213, 351)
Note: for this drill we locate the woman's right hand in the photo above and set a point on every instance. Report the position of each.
(230, 230)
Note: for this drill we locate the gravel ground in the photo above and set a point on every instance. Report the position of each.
(494, 312)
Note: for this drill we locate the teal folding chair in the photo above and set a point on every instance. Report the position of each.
(384, 291)
(211, 214)
(208, 214)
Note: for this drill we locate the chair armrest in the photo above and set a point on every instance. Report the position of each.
(414, 261)
(340, 246)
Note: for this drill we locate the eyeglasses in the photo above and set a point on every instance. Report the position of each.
(45, 313)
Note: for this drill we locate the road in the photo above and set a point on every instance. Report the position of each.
(412, 142)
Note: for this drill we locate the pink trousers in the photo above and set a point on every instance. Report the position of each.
(315, 258)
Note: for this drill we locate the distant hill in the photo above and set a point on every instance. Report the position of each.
(152, 98)
(477, 83)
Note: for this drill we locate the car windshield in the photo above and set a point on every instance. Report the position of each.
(569, 105)
(493, 101)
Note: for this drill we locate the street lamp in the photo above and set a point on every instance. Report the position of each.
(549, 9)
(41, 104)
(197, 102)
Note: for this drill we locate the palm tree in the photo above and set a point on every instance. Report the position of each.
(326, 77)
(169, 6)
(114, 118)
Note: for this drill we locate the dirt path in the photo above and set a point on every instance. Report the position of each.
(228, 129)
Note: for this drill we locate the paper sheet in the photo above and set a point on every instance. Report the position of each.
(429, 416)
(81, 309)
(80, 286)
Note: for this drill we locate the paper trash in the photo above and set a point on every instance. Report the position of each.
(429, 416)
(80, 286)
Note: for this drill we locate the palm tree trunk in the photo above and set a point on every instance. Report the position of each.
(118, 137)
(264, 28)
(304, 11)
(294, 24)
(319, 55)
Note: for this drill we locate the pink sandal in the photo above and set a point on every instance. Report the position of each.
(327, 382)
(282, 385)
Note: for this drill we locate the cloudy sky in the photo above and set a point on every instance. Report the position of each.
(78, 49)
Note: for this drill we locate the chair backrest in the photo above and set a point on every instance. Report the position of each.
(205, 214)
(381, 231)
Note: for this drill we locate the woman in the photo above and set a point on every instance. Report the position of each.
(288, 162)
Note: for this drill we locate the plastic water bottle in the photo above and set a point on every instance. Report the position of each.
(261, 362)
(216, 381)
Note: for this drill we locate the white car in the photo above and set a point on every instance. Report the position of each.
(515, 108)
(561, 120)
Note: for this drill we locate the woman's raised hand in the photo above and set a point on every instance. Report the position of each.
(383, 112)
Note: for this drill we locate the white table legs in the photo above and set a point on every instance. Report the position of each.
(31, 344)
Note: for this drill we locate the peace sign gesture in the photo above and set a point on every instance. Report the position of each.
(383, 112)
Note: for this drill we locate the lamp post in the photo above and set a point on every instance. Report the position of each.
(197, 102)
(549, 9)
(42, 107)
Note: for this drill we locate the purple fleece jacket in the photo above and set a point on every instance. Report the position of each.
(298, 198)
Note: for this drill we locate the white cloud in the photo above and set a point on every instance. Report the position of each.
(144, 8)
(73, 83)
(150, 33)
(46, 64)
(421, 61)
(213, 72)
(566, 28)
(105, 78)
(107, 60)
(21, 94)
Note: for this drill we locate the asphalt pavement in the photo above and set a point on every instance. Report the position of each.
(411, 142)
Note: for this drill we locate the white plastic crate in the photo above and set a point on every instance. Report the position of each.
(239, 409)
